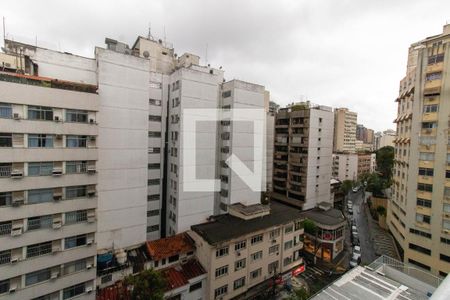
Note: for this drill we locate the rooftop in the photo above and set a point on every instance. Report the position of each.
(385, 278)
(179, 275)
(226, 227)
(170, 246)
(330, 217)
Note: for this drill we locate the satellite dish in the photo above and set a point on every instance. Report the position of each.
(146, 54)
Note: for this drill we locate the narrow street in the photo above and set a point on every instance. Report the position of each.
(367, 248)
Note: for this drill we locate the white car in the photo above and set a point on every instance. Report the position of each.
(354, 229)
(355, 261)
(355, 189)
(357, 251)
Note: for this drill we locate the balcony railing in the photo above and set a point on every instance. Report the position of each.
(5, 228)
(5, 171)
(5, 257)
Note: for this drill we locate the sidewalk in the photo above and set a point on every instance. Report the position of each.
(382, 241)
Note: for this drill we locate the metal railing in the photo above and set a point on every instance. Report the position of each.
(5, 228)
(5, 171)
(5, 257)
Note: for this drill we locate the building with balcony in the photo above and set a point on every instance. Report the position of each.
(344, 137)
(247, 249)
(418, 213)
(302, 159)
(345, 166)
(48, 179)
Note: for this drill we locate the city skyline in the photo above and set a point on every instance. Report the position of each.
(249, 50)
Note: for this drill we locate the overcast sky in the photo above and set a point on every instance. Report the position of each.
(339, 53)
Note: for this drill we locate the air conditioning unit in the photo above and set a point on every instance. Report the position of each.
(59, 136)
(447, 215)
(238, 253)
(14, 260)
(91, 193)
(92, 138)
(446, 231)
(54, 275)
(57, 224)
(89, 266)
(17, 202)
(91, 170)
(91, 121)
(16, 231)
(12, 290)
(56, 118)
(56, 249)
(16, 116)
(89, 290)
(57, 197)
(57, 172)
(89, 242)
(274, 241)
(91, 217)
(16, 174)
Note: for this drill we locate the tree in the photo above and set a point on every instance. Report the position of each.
(346, 186)
(147, 285)
(381, 210)
(310, 227)
(375, 185)
(385, 161)
(299, 294)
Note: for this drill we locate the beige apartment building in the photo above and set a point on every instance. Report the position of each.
(48, 179)
(302, 155)
(344, 130)
(245, 250)
(419, 211)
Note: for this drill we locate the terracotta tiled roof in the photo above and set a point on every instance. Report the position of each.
(167, 247)
(180, 275)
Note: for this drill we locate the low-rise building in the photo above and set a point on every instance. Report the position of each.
(245, 250)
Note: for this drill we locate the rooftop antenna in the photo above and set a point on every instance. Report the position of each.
(149, 36)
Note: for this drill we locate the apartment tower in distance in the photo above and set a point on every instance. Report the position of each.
(302, 155)
(344, 138)
(418, 213)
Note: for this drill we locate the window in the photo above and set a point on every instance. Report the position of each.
(272, 267)
(195, 286)
(5, 228)
(430, 108)
(154, 134)
(226, 107)
(434, 59)
(5, 110)
(74, 290)
(420, 265)
(4, 286)
(175, 85)
(287, 261)
(40, 196)
(5, 139)
(153, 181)
(426, 156)
(79, 116)
(420, 233)
(38, 276)
(40, 222)
(73, 167)
(257, 255)
(76, 191)
(446, 224)
(222, 271)
(288, 245)
(298, 225)
(154, 102)
(238, 283)
(75, 241)
(426, 172)
(240, 264)
(447, 174)
(256, 239)
(220, 291)
(274, 234)
(154, 197)
(40, 141)
(256, 273)
(288, 229)
(226, 94)
(39, 249)
(423, 218)
(274, 249)
(240, 245)
(423, 202)
(445, 241)
(74, 217)
(40, 113)
(154, 150)
(222, 252)
(433, 76)
(446, 208)
(152, 228)
(429, 125)
(419, 249)
(76, 141)
(5, 199)
(154, 118)
(74, 266)
(425, 187)
(152, 213)
(444, 257)
(5, 257)
(40, 168)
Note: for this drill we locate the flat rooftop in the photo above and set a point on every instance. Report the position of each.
(330, 217)
(362, 283)
(227, 227)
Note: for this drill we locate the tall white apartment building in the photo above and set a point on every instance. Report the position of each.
(48, 179)
(344, 130)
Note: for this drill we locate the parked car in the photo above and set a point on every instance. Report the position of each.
(356, 260)
(355, 189)
(350, 211)
(357, 251)
(354, 228)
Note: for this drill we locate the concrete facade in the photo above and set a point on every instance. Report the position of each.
(344, 130)
(345, 166)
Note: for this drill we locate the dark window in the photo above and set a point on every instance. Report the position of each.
(443, 274)
(40, 141)
(226, 94)
(195, 286)
(73, 291)
(154, 118)
(154, 134)
(79, 116)
(423, 202)
(76, 141)
(152, 228)
(39, 249)
(447, 174)
(154, 166)
(154, 197)
(75, 241)
(421, 265)
(434, 59)
(421, 233)
(151, 213)
(153, 181)
(4, 286)
(174, 258)
(5, 199)
(5, 139)
(433, 76)
(419, 249)
(444, 257)
(38, 276)
(426, 172)
(40, 113)
(154, 102)
(425, 187)
(5, 110)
